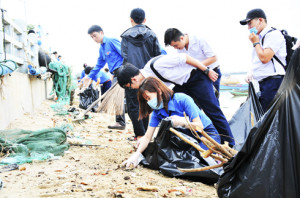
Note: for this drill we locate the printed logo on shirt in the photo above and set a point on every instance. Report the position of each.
(107, 53)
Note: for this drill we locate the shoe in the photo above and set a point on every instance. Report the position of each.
(116, 126)
(132, 138)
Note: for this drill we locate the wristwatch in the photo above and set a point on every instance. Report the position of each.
(254, 44)
(206, 71)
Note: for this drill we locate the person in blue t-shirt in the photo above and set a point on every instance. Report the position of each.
(156, 98)
(104, 81)
(110, 53)
(82, 75)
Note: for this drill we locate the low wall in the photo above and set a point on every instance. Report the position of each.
(21, 93)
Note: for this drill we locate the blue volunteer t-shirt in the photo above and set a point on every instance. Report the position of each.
(177, 105)
(103, 77)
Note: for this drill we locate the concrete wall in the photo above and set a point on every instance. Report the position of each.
(20, 93)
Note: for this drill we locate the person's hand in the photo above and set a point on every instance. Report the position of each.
(178, 121)
(248, 78)
(86, 81)
(212, 75)
(254, 38)
(133, 160)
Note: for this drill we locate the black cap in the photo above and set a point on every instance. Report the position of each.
(252, 14)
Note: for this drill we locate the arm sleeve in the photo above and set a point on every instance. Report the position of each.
(274, 40)
(100, 64)
(124, 49)
(154, 120)
(190, 108)
(206, 49)
(156, 47)
(116, 45)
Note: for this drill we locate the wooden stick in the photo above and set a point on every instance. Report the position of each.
(207, 137)
(196, 146)
(200, 169)
(224, 151)
(206, 153)
(212, 147)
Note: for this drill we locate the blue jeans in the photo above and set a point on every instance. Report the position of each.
(268, 88)
(200, 88)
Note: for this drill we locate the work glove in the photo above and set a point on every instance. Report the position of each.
(178, 121)
(134, 160)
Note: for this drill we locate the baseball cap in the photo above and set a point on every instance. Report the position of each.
(252, 14)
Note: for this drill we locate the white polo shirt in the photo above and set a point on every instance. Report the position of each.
(199, 49)
(172, 67)
(276, 42)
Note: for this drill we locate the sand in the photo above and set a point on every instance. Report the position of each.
(90, 171)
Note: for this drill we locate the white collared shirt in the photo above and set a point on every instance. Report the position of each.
(275, 41)
(199, 49)
(172, 67)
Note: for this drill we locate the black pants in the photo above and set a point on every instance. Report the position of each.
(120, 118)
(139, 126)
(200, 88)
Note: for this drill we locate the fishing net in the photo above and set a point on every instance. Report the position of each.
(63, 84)
(24, 146)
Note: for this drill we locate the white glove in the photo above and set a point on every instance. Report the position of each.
(178, 121)
(133, 160)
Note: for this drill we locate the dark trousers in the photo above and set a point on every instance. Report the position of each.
(217, 83)
(200, 88)
(120, 118)
(105, 86)
(139, 126)
(268, 88)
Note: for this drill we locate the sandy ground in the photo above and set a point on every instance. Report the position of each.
(90, 171)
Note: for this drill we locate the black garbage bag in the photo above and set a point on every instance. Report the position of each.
(44, 59)
(168, 152)
(87, 97)
(268, 163)
(245, 118)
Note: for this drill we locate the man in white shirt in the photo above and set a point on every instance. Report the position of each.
(196, 47)
(267, 44)
(189, 76)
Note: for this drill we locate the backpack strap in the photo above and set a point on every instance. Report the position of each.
(158, 74)
(275, 57)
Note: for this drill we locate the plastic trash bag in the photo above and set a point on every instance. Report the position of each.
(168, 152)
(245, 118)
(87, 97)
(268, 163)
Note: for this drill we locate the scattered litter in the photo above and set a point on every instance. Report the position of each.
(148, 188)
(9, 167)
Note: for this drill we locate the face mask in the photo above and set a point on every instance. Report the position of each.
(153, 104)
(254, 29)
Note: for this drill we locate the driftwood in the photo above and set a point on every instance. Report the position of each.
(214, 148)
(196, 146)
(201, 169)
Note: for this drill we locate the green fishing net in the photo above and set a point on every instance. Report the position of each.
(63, 84)
(24, 146)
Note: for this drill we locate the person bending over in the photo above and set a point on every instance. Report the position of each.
(156, 98)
